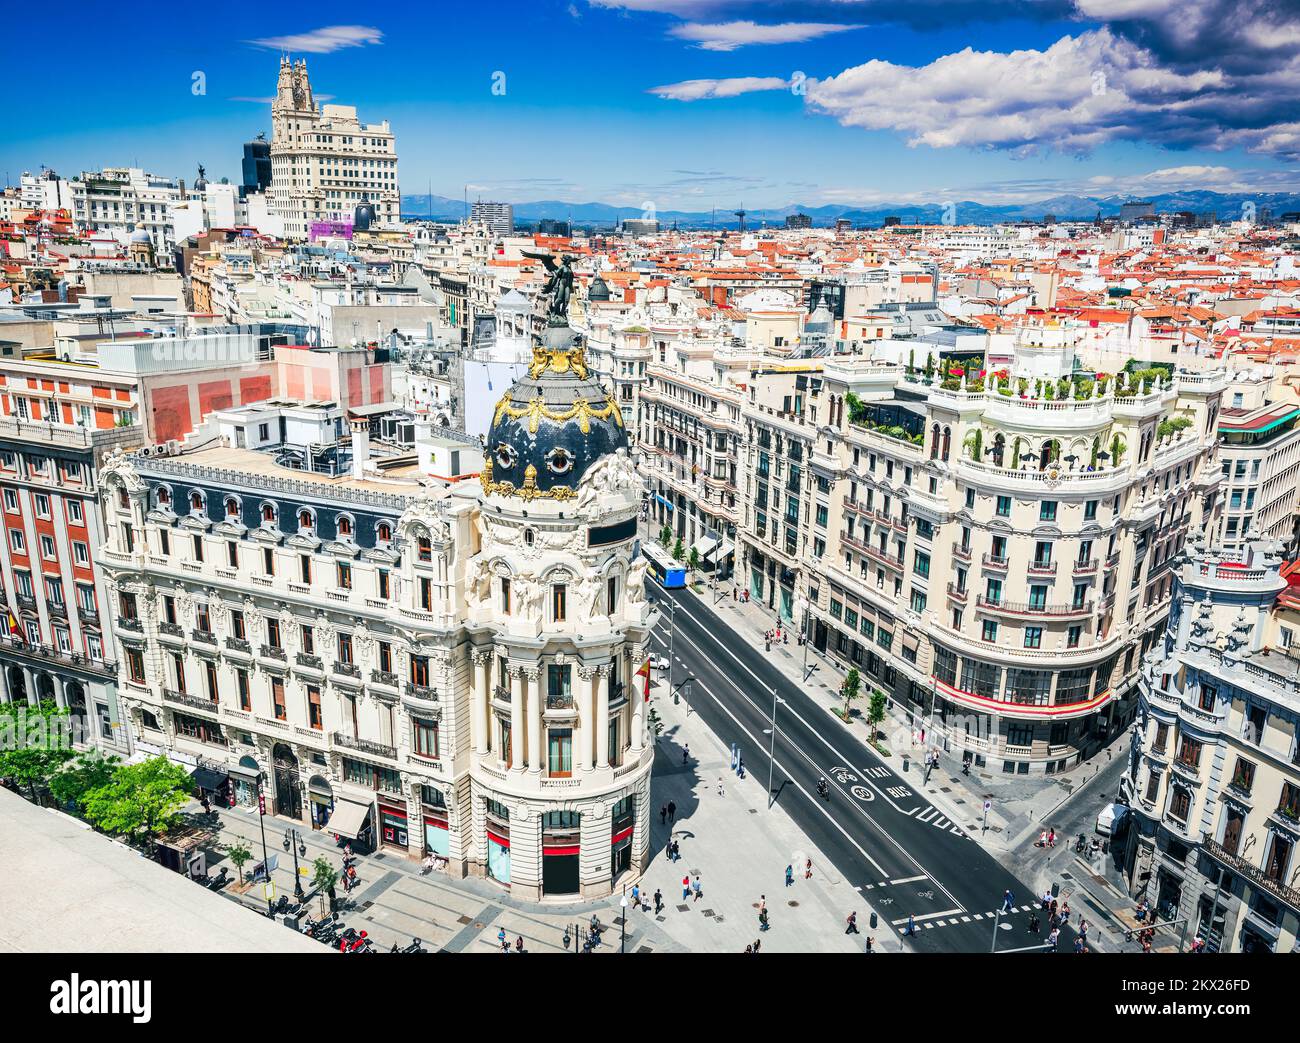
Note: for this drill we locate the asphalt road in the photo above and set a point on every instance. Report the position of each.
(904, 856)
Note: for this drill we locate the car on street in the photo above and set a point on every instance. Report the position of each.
(659, 662)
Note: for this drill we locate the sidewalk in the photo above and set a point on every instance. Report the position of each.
(1021, 806)
(726, 835)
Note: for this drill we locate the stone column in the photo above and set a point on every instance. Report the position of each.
(534, 719)
(517, 718)
(636, 700)
(582, 726)
(478, 717)
(602, 717)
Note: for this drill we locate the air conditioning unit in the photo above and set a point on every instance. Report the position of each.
(144, 450)
(173, 447)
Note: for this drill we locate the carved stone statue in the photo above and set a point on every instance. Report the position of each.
(636, 581)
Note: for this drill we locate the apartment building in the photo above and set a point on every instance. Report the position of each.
(122, 200)
(446, 672)
(995, 553)
(1215, 771)
(324, 161)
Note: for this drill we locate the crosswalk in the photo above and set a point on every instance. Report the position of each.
(950, 920)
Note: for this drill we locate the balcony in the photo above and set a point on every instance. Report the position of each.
(131, 623)
(347, 669)
(961, 553)
(26, 602)
(312, 662)
(88, 616)
(995, 561)
(421, 691)
(238, 644)
(1084, 568)
(501, 694)
(958, 594)
(50, 654)
(1279, 890)
(374, 749)
(1042, 568)
(559, 701)
(57, 609)
(171, 629)
(192, 701)
(206, 636)
(1032, 608)
(384, 677)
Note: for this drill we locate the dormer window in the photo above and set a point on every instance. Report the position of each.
(344, 525)
(164, 497)
(196, 501)
(305, 519)
(384, 533)
(232, 507)
(268, 514)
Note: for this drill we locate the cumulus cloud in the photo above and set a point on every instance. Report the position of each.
(327, 40)
(1081, 92)
(698, 90)
(727, 36)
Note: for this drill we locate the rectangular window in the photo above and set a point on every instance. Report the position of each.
(1004, 507)
(382, 583)
(345, 648)
(611, 595)
(232, 554)
(241, 684)
(424, 737)
(315, 718)
(268, 561)
(559, 602)
(385, 657)
(304, 568)
(135, 665)
(344, 575)
(273, 633)
(1047, 510)
(990, 630)
(1033, 637)
(277, 699)
(198, 547)
(426, 593)
(505, 595)
(560, 752)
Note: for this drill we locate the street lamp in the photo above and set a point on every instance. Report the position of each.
(803, 605)
(266, 859)
(293, 839)
(771, 750)
(622, 925)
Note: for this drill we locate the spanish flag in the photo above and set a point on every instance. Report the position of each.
(14, 629)
(645, 673)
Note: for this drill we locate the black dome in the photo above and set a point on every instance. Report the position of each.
(363, 216)
(552, 425)
(598, 290)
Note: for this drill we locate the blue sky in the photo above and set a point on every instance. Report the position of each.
(689, 104)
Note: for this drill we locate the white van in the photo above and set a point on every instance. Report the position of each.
(1111, 819)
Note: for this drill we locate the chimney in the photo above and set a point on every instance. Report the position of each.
(360, 445)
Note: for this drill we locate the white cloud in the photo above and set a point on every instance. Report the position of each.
(697, 90)
(327, 40)
(728, 36)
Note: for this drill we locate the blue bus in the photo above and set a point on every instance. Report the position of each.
(668, 572)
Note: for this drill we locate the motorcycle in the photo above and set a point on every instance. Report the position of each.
(217, 882)
(823, 790)
(1079, 843)
(415, 946)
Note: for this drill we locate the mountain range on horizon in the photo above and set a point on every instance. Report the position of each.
(1226, 205)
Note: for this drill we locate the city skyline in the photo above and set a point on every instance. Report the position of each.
(727, 103)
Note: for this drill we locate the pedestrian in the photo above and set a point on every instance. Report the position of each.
(672, 810)
(789, 875)
(757, 943)
(1078, 943)
(677, 851)
(501, 939)
(686, 888)
(1008, 900)
(1051, 837)
(1052, 908)
(734, 595)
(807, 869)
(763, 924)
(519, 944)
(740, 767)
(852, 927)
(659, 901)
(1047, 900)
(1083, 929)
(768, 647)
(785, 637)
(352, 874)
(663, 814)
(636, 896)
(721, 791)
(686, 752)
(1065, 911)
(1053, 939)
(911, 926)
(870, 944)
(695, 886)
(1034, 923)
(749, 948)
(762, 902)
(207, 806)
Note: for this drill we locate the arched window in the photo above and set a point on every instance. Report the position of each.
(164, 496)
(383, 532)
(947, 442)
(934, 442)
(344, 524)
(196, 501)
(268, 513)
(306, 519)
(232, 507)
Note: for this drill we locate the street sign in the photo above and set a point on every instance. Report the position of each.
(269, 889)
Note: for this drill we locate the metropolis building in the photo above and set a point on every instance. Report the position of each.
(413, 665)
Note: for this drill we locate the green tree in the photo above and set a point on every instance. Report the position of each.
(876, 711)
(849, 689)
(693, 560)
(665, 534)
(679, 549)
(35, 743)
(86, 772)
(239, 853)
(324, 877)
(141, 802)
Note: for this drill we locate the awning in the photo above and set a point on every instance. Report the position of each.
(348, 818)
(665, 502)
(208, 778)
(722, 550)
(245, 772)
(706, 543)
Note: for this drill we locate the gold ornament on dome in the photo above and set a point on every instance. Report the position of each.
(558, 360)
(527, 491)
(536, 408)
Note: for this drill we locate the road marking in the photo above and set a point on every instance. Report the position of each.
(815, 803)
(927, 916)
(909, 879)
(884, 832)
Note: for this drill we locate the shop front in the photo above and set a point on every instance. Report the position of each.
(620, 840)
(560, 853)
(498, 842)
(393, 831)
(437, 835)
(244, 782)
(351, 824)
(211, 783)
(320, 800)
